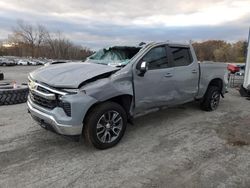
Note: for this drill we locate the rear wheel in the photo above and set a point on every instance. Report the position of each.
(105, 125)
(211, 99)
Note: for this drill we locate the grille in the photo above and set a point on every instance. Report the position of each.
(50, 104)
(39, 88)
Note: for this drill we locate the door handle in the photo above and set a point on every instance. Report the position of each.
(194, 71)
(168, 75)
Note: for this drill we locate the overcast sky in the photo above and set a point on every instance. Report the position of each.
(97, 23)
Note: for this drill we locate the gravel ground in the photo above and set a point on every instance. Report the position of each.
(177, 147)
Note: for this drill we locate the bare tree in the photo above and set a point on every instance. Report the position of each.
(25, 34)
(41, 36)
(59, 45)
(30, 35)
(37, 41)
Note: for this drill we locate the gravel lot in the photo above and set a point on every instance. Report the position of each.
(178, 147)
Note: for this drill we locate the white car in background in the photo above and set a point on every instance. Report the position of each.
(39, 62)
(23, 62)
(32, 62)
(7, 62)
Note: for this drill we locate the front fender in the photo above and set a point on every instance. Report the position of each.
(107, 88)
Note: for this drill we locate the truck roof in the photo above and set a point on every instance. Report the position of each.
(150, 44)
(169, 43)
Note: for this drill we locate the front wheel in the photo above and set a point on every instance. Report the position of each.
(105, 125)
(211, 99)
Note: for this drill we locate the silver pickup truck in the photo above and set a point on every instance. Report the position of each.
(98, 97)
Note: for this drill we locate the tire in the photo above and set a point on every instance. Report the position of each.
(211, 99)
(9, 96)
(1, 76)
(243, 92)
(98, 120)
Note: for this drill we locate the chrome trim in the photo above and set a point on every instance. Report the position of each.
(38, 107)
(33, 86)
(44, 95)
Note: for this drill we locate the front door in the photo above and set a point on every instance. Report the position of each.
(155, 87)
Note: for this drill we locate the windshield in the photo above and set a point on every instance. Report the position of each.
(114, 56)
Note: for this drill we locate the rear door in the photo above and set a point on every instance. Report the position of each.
(186, 74)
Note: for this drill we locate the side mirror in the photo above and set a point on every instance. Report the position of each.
(143, 68)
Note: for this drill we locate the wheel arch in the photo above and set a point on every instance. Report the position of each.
(124, 100)
(216, 82)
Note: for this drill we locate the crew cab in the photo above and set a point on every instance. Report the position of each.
(98, 97)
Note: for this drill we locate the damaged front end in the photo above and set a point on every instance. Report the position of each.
(61, 95)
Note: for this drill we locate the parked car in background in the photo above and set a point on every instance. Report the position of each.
(97, 98)
(7, 62)
(232, 68)
(23, 62)
(32, 62)
(39, 62)
(12, 60)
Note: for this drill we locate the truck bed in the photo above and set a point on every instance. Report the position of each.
(208, 72)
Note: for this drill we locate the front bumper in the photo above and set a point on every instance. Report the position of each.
(64, 120)
(44, 119)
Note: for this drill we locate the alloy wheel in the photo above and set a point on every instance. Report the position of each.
(215, 100)
(109, 126)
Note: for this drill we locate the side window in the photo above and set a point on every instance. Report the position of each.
(156, 58)
(181, 56)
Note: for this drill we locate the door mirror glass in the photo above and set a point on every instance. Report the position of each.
(143, 68)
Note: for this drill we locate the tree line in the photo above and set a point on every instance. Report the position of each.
(35, 41)
(221, 51)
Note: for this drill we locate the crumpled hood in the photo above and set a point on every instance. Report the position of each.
(69, 75)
